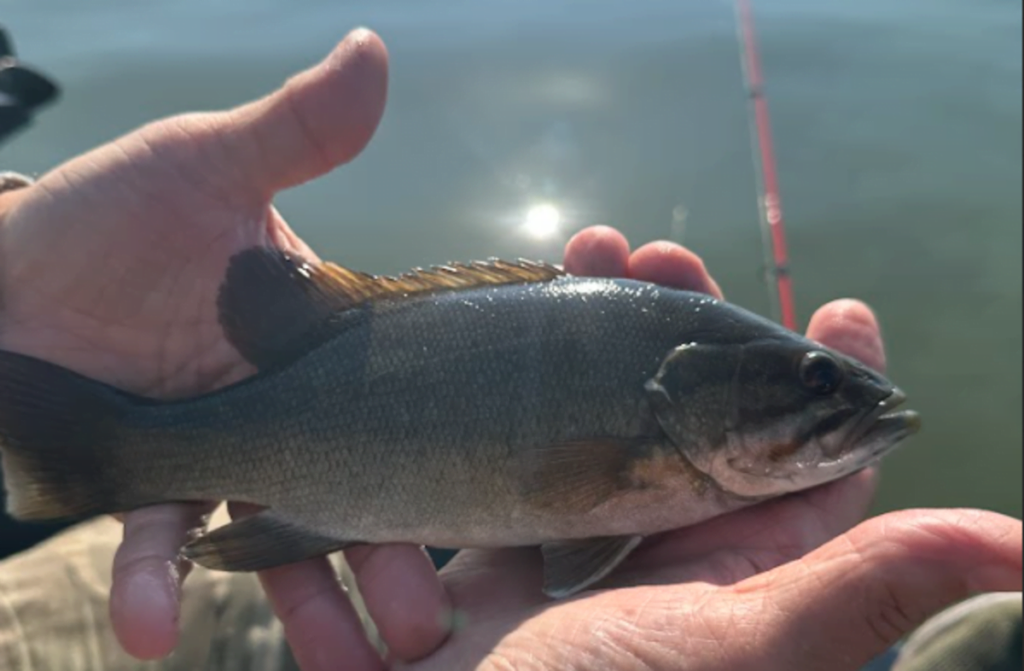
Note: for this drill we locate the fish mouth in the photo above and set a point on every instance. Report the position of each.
(884, 428)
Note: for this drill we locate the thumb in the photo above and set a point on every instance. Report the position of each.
(319, 119)
(851, 600)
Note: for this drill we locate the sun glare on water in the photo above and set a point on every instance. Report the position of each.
(542, 221)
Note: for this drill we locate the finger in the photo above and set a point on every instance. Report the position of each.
(404, 596)
(320, 622)
(147, 575)
(852, 599)
(849, 326)
(669, 264)
(598, 251)
(321, 118)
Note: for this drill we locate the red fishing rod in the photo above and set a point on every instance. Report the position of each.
(770, 204)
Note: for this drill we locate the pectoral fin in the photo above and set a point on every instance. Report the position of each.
(259, 542)
(579, 475)
(571, 566)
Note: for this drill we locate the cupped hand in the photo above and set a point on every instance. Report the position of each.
(791, 584)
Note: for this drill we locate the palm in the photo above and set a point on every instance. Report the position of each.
(130, 251)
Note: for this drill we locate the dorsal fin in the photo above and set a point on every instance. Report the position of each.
(274, 305)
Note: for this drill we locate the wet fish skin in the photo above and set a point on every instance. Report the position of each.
(576, 413)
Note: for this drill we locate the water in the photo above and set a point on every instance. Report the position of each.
(897, 126)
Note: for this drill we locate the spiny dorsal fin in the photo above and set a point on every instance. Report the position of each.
(362, 287)
(274, 305)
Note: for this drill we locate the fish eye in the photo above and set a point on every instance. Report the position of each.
(821, 373)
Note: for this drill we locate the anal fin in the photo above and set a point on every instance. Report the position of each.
(262, 541)
(574, 565)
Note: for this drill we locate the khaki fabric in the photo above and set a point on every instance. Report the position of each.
(53, 612)
(981, 634)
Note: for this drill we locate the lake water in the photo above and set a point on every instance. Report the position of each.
(897, 126)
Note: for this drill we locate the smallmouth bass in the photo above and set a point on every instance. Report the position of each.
(476, 405)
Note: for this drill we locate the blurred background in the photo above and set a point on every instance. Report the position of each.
(511, 125)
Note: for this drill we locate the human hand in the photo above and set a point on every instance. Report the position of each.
(782, 585)
(110, 265)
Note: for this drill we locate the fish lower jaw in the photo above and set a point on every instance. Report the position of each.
(884, 421)
(887, 433)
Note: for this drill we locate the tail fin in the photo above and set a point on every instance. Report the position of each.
(57, 440)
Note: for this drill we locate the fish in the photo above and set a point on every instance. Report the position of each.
(471, 405)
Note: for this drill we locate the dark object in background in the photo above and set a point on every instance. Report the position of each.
(23, 91)
(440, 557)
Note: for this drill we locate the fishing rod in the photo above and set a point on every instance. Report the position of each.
(773, 229)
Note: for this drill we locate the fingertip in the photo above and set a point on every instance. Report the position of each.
(670, 264)
(144, 602)
(597, 251)
(361, 48)
(145, 593)
(341, 100)
(849, 326)
(975, 549)
(321, 118)
(848, 310)
(404, 596)
(144, 610)
(362, 41)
